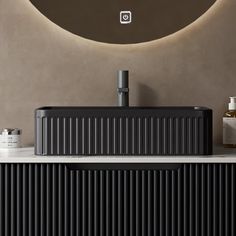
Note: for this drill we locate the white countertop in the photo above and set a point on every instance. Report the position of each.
(26, 155)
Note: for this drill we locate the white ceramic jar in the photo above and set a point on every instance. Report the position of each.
(10, 138)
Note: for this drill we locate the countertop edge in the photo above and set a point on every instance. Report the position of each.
(26, 155)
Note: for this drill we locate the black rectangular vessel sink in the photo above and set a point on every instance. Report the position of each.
(123, 131)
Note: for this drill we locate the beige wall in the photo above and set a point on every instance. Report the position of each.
(41, 64)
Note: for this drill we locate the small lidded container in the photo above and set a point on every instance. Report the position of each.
(10, 138)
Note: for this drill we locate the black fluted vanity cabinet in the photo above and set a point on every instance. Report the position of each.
(117, 199)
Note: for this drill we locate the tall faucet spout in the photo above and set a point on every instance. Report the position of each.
(123, 88)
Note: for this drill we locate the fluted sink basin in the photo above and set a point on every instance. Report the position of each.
(123, 131)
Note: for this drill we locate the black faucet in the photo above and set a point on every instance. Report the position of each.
(123, 88)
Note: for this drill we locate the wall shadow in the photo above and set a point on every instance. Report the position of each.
(146, 96)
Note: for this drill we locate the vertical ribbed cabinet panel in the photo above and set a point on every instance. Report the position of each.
(123, 136)
(52, 200)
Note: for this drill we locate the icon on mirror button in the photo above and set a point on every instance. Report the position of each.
(125, 17)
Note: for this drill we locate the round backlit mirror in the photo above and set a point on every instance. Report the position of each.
(123, 21)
